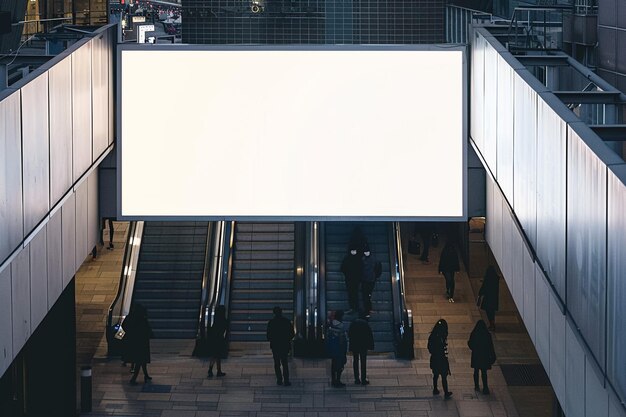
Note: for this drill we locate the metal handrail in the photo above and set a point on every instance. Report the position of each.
(206, 282)
(299, 293)
(402, 315)
(123, 298)
(317, 286)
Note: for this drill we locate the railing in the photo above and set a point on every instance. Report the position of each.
(313, 298)
(458, 21)
(299, 293)
(32, 24)
(533, 28)
(208, 282)
(121, 303)
(403, 317)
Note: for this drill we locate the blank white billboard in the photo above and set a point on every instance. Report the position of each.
(323, 133)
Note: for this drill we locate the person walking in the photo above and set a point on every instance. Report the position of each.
(483, 354)
(438, 348)
(370, 272)
(137, 341)
(336, 348)
(361, 340)
(280, 333)
(449, 266)
(352, 267)
(217, 341)
(489, 294)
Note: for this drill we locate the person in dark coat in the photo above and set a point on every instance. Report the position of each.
(361, 340)
(358, 239)
(438, 348)
(448, 266)
(489, 294)
(425, 230)
(371, 270)
(336, 348)
(483, 353)
(352, 268)
(279, 334)
(137, 341)
(217, 341)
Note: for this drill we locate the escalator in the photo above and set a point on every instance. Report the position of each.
(336, 238)
(169, 276)
(262, 276)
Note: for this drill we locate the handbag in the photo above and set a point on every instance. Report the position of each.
(120, 333)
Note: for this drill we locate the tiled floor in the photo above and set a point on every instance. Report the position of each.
(398, 387)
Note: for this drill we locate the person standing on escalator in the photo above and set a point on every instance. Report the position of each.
(371, 271)
(352, 268)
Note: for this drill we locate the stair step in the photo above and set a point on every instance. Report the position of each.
(239, 265)
(262, 294)
(264, 237)
(284, 274)
(259, 315)
(264, 227)
(183, 284)
(268, 246)
(175, 333)
(243, 255)
(172, 264)
(279, 284)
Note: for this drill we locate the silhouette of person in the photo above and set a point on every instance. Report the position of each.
(489, 295)
(352, 268)
(279, 334)
(483, 353)
(448, 266)
(361, 340)
(371, 271)
(137, 341)
(438, 348)
(336, 348)
(217, 341)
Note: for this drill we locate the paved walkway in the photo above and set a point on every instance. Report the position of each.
(398, 388)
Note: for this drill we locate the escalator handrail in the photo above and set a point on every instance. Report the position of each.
(405, 314)
(320, 320)
(207, 282)
(123, 298)
(299, 288)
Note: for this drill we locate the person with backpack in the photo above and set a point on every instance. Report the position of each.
(371, 270)
(336, 348)
(438, 348)
(483, 353)
(279, 333)
(489, 295)
(361, 340)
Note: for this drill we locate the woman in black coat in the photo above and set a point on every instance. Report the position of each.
(217, 341)
(483, 353)
(438, 348)
(448, 266)
(488, 295)
(137, 341)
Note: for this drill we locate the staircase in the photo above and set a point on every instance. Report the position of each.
(262, 277)
(336, 240)
(169, 276)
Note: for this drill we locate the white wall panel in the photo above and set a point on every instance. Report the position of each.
(82, 231)
(498, 220)
(111, 41)
(60, 85)
(100, 84)
(530, 270)
(615, 409)
(38, 279)
(505, 261)
(35, 151)
(68, 224)
(504, 127)
(6, 319)
(525, 158)
(477, 93)
(557, 349)
(574, 405)
(93, 229)
(81, 109)
(11, 213)
(596, 397)
(20, 296)
(490, 106)
(616, 282)
(586, 242)
(490, 217)
(55, 258)
(542, 325)
(551, 191)
(516, 259)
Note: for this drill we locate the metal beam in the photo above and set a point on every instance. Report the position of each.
(610, 132)
(26, 59)
(543, 60)
(589, 97)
